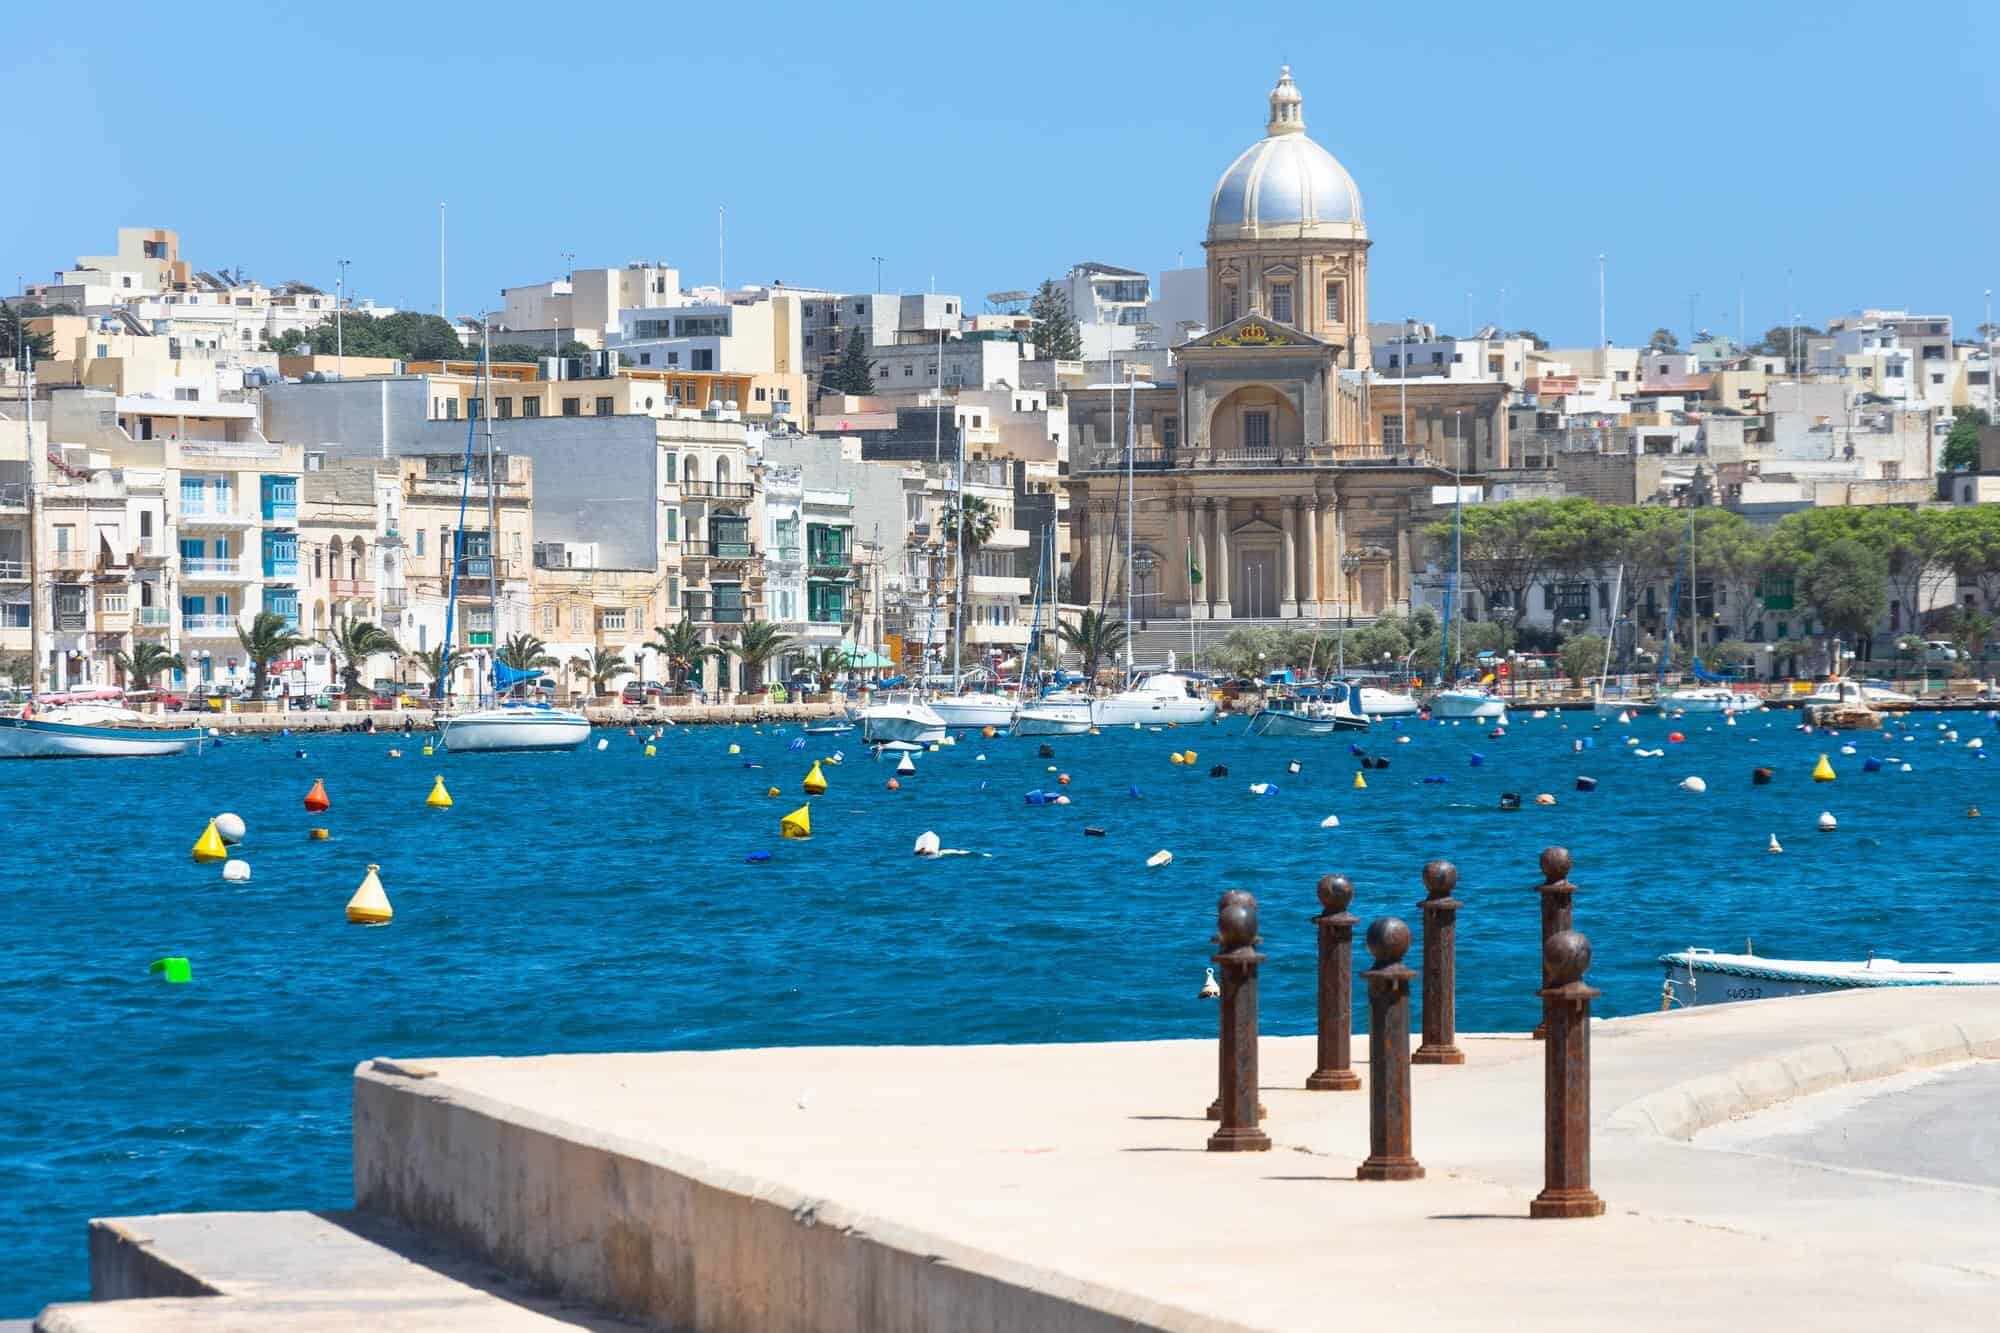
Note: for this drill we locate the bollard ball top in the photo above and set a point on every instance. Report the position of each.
(1335, 893)
(1440, 878)
(1566, 955)
(1555, 864)
(1233, 896)
(1388, 939)
(1236, 922)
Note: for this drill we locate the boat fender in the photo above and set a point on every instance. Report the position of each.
(979, 759)
(1062, 800)
(235, 871)
(1402, 740)
(1761, 777)
(1827, 823)
(1510, 800)
(1693, 784)
(928, 844)
(1586, 784)
(298, 754)
(1062, 779)
(317, 835)
(1219, 771)
(1847, 749)
(1092, 831)
(602, 745)
(1175, 759)
(1545, 798)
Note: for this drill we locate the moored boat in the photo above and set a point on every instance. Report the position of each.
(1163, 696)
(1327, 710)
(1468, 701)
(1063, 713)
(901, 719)
(513, 726)
(90, 729)
(973, 709)
(1702, 976)
(1709, 699)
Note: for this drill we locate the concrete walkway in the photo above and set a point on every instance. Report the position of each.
(1066, 1187)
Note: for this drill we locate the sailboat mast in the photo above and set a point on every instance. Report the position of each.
(958, 564)
(492, 490)
(34, 522)
(1131, 415)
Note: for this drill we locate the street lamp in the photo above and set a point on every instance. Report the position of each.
(1143, 565)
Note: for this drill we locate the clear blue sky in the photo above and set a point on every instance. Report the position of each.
(1853, 147)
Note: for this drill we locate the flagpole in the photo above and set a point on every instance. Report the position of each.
(1194, 653)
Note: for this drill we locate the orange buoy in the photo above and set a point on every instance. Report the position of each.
(895, 785)
(1062, 779)
(316, 800)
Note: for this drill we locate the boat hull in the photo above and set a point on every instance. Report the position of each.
(25, 738)
(1613, 707)
(1386, 703)
(1052, 720)
(971, 711)
(1153, 710)
(1698, 977)
(1286, 722)
(913, 724)
(1484, 707)
(508, 731)
(1711, 702)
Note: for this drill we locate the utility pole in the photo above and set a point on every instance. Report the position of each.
(1601, 339)
(441, 314)
(878, 273)
(339, 330)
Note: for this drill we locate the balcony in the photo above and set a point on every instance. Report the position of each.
(209, 626)
(281, 569)
(782, 555)
(73, 561)
(392, 599)
(71, 622)
(997, 585)
(281, 511)
(717, 490)
(213, 569)
(356, 588)
(13, 571)
(828, 561)
(114, 622)
(481, 567)
(151, 551)
(997, 635)
(14, 496)
(153, 619)
(213, 516)
(726, 552)
(704, 610)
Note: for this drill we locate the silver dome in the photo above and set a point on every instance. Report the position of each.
(1284, 184)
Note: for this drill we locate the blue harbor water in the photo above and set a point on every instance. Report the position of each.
(602, 901)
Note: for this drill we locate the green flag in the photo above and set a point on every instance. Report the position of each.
(1194, 570)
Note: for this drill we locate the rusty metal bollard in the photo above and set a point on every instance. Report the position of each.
(1222, 1048)
(1440, 1046)
(1236, 959)
(1557, 893)
(1389, 1055)
(1566, 1001)
(1335, 1072)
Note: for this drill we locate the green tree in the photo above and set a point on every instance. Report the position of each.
(1535, 340)
(1961, 447)
(1781, 339)
(145, 661)
(1582, 657)
(438, 666)
(352, 642)
(1094, 636)
(683, 649)
(525, 652)
(855, 371)
(404, 336)
(756, 644)
(1972, 629)
(1502, 548)
(606, 665)
(268, 638)
(1846, 584)
(1055, 334)
(1663, 340)
(828, 666)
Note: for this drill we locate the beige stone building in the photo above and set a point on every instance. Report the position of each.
(1262, 461)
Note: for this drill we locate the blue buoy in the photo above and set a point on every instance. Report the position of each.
(757, 856)
(1434, 779)
(798, 743)
(1354, 749)
(1478, 759)
(1133, 792)
(1871, 765)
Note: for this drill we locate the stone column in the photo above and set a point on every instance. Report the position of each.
(1288, 563)
(1191, 520)
(1198, 520)
(1310, 508)
(1221, 576)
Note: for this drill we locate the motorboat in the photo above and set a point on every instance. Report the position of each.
(973, 709)
(94, 726)
(513, 726)
(1709, 699)
(1163, 696)
(901, 719)
(1702, 976)
(1376, 702)
(1871, 693)
(1063, 713)
(1468, 701)
(833, 726)
(1332, 710)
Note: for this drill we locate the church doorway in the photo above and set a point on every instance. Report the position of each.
(1256, 586)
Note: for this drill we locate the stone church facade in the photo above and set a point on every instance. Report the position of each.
(1260, 466)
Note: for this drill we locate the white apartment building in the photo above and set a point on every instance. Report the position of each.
(1113, 309)
(783, 540)
(585, 305)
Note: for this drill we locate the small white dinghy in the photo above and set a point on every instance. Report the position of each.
(1702, 976)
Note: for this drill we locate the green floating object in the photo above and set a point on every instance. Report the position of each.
(177, 971)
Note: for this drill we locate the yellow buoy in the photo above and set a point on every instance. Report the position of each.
(1360, 783)
(797, 824)
(369, 906)
(770, 791)
(427, 747)
(815, 783)
(439, 799)
(1188, 757)
(734, 748)
(649, 751)
(1822, 771)
(208, 847)
(1175, 758)
(317, 835)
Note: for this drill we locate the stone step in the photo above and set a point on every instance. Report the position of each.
(275, 1272)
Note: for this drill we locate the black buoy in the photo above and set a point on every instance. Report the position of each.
(1510, 800)
(1219, 771)
(1381, 763)
(1047, 752)
(1760, 776)
(1092, 831)
(1586, 784)
(1293, 767)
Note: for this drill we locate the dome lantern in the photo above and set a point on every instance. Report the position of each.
(1288, 115)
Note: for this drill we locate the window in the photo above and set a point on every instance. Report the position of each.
(1333, 303)
(674, 589)
(111, 602)
(572, 407)
(604, 407)
(673, 525)
(1256, 430)
(673, 467)
(673, 358)
(857, 307)
(505, 408)
(1281, 302)
(1228, 304)
(760, 394)
(614, 619)
(472, 406)
(420, 541)
(548, 619)
(531, 407)
(1392, 432)
(645, 358)
(704, 359)
(451, 409)
(809, 342)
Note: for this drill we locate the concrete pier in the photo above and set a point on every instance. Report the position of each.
(892, 1190)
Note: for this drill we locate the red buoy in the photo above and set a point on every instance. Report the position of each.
(316, 798)
(1675, 737)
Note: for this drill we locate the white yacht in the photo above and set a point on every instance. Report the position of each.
(72, 727)
(1709, 699)
(1702, 976)
(513, 726)
(1332, 711)
(974, 709)
(1066, 713)
(1164, 696)
(908, 720)
(1469, 701)
(1374, 701)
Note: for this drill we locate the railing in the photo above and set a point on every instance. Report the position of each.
(13, 569)
(212, 567)
(394, 599)
(356, 588)
(720, 548)
(209, 626)
(717, 490)
(276, 567)
(153, 617)
(783, 555)
(828, 557)
(281, 511)
(481, 567)
(73, 561)
(151, 551)
(704, 612)
(211, 516)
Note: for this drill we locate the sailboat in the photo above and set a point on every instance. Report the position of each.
(502, 725)
(1606, 701)
(1056, 712)
(1460, 701)
(87, 724)
(1713, 694)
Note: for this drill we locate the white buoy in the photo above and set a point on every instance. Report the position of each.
(1261, 789)
(1693, 784)
(928, 844)
(602, 745)
(1331, 821)
(1774, 847)
(1160, 858)
(230, 827)
(1974, 744)
(1209, 989)
(1827, 823)
(1904, 769)
(979, 759)
(905, 766)
(236, 871)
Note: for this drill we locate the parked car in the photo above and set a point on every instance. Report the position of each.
(1939, 652)
(639, 692)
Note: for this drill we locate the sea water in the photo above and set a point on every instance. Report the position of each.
(603, 901)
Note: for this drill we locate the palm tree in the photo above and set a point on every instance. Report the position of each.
(269, 637)
(826, 668)
(605, 667)
(978, 519)
(525, 652)
(683, 649)
(1095, 635)
(352, 642)
(757, 644)
(144, 662)
(435, 664)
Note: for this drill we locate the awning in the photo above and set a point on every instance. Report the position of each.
(863, 659)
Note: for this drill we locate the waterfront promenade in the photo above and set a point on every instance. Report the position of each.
(1065, 1187)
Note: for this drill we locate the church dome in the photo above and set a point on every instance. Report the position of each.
(1285, 184)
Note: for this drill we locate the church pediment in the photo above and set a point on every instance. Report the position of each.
(1255, 331)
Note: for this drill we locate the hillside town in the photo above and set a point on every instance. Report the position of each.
(630, 477)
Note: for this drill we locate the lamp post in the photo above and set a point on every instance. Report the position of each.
(339, 329)
(1142, 571)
